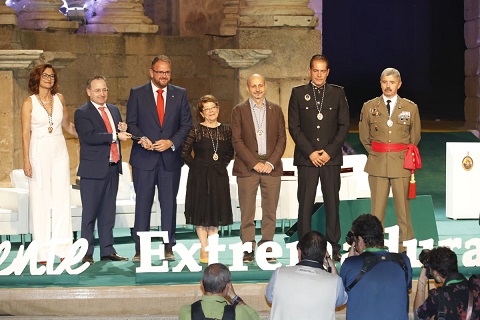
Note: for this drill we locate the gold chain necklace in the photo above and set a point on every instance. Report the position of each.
(215, 146)
(49, 114)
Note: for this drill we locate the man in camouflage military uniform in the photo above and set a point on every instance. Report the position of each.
(388, 126)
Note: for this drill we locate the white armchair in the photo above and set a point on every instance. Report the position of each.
(14, 212)
(18, 179)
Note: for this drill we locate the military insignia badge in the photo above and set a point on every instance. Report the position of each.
(307, 97)
(467, 163)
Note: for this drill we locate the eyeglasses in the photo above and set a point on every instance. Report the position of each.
(104, 90)
(205, 110)
(162, 73)
(47, 76)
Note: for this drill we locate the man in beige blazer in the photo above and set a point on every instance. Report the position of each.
(259, 139)
(388, 125)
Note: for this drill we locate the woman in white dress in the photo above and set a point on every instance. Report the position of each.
(46, 163)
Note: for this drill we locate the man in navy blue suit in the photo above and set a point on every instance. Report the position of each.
(100, 163)
(158, 114)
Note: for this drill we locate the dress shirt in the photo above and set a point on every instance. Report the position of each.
(164, 95)
(112, 123)
(259, 114)
(393, 102)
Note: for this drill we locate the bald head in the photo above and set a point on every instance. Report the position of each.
(256, 88)
(255, 76)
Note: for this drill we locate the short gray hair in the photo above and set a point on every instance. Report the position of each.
(215, 278)
(391, 72)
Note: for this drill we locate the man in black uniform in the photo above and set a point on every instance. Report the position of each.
(318, 121)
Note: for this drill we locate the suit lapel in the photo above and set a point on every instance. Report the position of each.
(398, 107)
(150, 102)
(114, 116)
(269, 121)
(170, 103)
(248, 114)
(96, 116)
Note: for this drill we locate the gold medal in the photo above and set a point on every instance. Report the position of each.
(467, 163)
(50, 129)
(215, 146)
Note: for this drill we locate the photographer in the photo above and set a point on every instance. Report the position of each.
(449, 301)
(377, 282)
(306, 290)
(217, 287)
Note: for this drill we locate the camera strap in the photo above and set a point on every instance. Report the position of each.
(197, 311)
(370, 260)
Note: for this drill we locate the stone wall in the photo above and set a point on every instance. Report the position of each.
(472, 63)
(186, 17)
(124, 60)
(285, 28)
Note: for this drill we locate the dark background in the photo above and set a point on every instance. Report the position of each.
(423, 39)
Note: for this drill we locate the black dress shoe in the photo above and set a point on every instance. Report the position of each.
(87, 258)
(113, 257)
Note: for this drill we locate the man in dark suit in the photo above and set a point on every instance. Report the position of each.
(158, 114)
(259, 139)
(100, 163)
(318, 121)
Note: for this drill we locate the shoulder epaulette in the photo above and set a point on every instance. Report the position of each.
(371, 100)
(409, 100)
(299, 86)
(335, 85)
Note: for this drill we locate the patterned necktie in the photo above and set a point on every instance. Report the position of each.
(388, 107)
(113, 147)
(160, 106)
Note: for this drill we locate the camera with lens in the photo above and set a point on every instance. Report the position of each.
(424, 258)
(350, 238)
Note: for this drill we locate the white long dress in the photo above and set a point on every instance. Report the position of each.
(50, 215)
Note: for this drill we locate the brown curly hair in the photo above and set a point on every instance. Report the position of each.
(36, 74)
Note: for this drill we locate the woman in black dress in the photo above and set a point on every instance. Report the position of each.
(207, 151)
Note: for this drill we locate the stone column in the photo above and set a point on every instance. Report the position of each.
(472, 63)
(277, 13)
(119, 16)
(44, 15)
(12, 62)
(7, 15)
(230, 22)
(317, 6)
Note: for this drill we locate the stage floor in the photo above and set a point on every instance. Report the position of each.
(114, 288)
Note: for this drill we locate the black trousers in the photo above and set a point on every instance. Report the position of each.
(308, 177)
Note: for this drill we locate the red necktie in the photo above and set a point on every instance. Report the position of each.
(160, 106)
(113, 146)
